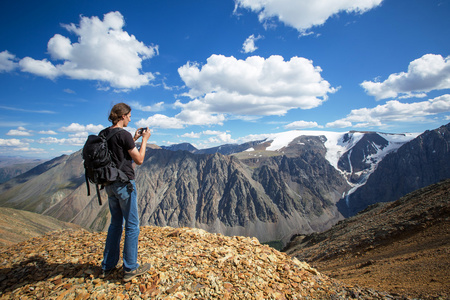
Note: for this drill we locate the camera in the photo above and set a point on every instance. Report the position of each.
(141, 130)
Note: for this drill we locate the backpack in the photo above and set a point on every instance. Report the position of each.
(98, 165)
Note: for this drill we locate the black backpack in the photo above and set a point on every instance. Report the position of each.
(98, 165)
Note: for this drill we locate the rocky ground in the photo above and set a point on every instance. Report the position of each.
(401, 247)
(186, 264)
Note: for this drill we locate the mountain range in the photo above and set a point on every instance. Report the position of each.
(289, 183)
(11, 167)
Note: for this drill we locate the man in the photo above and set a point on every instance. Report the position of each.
(122, 196)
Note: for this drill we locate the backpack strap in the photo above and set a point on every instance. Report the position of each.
(87, 184)
(98, 194)
(111, 133)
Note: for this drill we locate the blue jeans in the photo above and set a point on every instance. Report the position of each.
(122, 199)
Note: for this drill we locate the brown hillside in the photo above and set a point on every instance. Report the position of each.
(186, 264)
(402, 247)
(19, 225)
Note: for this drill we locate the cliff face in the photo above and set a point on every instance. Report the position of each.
(186, 264)
(220, 194)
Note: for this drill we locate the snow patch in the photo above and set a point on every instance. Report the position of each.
(336, 145)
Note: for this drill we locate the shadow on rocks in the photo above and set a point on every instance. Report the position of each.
(36, 269)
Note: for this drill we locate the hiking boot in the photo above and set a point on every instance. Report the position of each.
(139, 271)
(107, 273)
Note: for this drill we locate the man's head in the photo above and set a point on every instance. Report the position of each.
(120, 111)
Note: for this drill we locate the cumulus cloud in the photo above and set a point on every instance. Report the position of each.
(7, 62)
(425, 74)
(75, 127)
(192, 135)
(249, 44)
(155, 107)
(305, 14)
(51, 132)
(302, 125)
(103, 52)
(161, 121)
(20, 131)
(255, 86)
(394, 111)
(12, 143)
(226, 87)
(215, 137)
(73, 141)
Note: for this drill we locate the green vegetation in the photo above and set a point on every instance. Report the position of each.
(277, 245)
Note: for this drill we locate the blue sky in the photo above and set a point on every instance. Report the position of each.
(212, 72)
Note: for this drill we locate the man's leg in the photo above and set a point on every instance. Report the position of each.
(131, 216)
(111, 253)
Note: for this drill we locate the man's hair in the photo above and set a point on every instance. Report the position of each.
(118, 110)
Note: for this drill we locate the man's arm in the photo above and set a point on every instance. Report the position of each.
(139, 155)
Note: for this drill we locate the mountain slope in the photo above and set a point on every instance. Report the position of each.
(13, 166)
(17, 225)
(409, 238)
(418, 163)
(186, 264)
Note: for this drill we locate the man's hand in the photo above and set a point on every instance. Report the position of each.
(144, 132)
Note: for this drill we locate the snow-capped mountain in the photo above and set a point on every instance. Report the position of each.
(354, 154)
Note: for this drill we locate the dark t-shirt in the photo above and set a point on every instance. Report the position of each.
(119, 145)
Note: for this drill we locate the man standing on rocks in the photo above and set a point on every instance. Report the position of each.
(122, 196)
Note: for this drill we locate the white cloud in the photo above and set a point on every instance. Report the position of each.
(249, 44)
(302, 125)
(20, 131)
(7, 63)
(69, 91)
(104, 52)
(255, 86)
(394, 111)
(220, 138)
(26, 110)
(305, 14)
(160, 121)
(425, 74)
(39, 67)
(244, 89)
(215, 138)
(192, 135)
(75, 127)
(47, 132)
(155, 107)
(339, 124)
(74, 141)
(12, 143)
